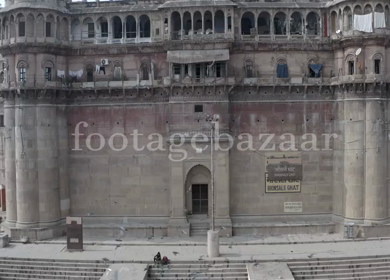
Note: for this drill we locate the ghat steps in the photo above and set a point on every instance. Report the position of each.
(376, 268)
(18, 269)
(237, 271)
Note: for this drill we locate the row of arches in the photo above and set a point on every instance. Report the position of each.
(343, 18)
(31, 26)
(278, 25)
(114, 28)
(199, 23)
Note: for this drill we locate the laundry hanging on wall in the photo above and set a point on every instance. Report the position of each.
(317, 68)
(362, 22)
(76, 74)
(61, 73)
(379, 20)
(100, 69)
(282, 71)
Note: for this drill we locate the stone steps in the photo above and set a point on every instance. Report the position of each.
(19, 269)
(200, 271)
(199, 229)
(342, 269)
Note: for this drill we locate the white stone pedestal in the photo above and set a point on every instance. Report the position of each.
(213, 244)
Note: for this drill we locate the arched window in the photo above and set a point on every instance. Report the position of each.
(219, 22)
(102, 24)
(88, 29)
(131, 27)
(49, 70)
(50, 26)
(280, 24)
(367, 9)
(296, 24)
(21, 22)
(187, 22)
(198, 22)
(312, 24)
(350, 64)
(144, 26)
(264, 24)
(334, 26)
(90, 69)
(348, 19)
(76, 30)
(282, 68)
(22, 66)
(117, 71)
(249, 69)
(357, 10)
(176, 25)
(116, 27)
(247, 23)
(30, 25)
(144, 71)
(58, 29)
(377, 63)
(208, 22)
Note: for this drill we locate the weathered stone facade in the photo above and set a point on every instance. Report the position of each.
(164, 58)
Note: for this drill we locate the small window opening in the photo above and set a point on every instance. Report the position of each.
(220, 69)
(22, 72)
(377, 65)
(351, 68)
(48, 74)
(198, 108)
(1, 121)
(176, 69)
(48, 29)
(91, 30)
(22, 29)
(104, 29)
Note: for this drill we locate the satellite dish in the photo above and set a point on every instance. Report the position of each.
(338, 31)
(359, 50)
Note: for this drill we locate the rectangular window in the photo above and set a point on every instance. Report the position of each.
(377, 66)
(157, 31)
(89, 75)
(186, 72)
(48, 73)
(104, 28)
(249, 70)
(22, 29)
(145, 74)
(220, 69)
(117, 73)
(198, 108)
(48, 29)
(198, 71)
(176, 69)
(22, 74)
(1, 121)
(91, 30)
(351, 68)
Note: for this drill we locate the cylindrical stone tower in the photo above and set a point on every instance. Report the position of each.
(376, 192)
(354, 129)
(10, 171)
(27, 185)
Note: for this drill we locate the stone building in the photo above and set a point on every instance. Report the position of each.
(161, 67)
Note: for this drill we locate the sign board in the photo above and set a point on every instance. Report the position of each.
(293, 207)
(283, 172)
(74, 234)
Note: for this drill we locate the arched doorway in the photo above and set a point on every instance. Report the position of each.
(198, 191)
